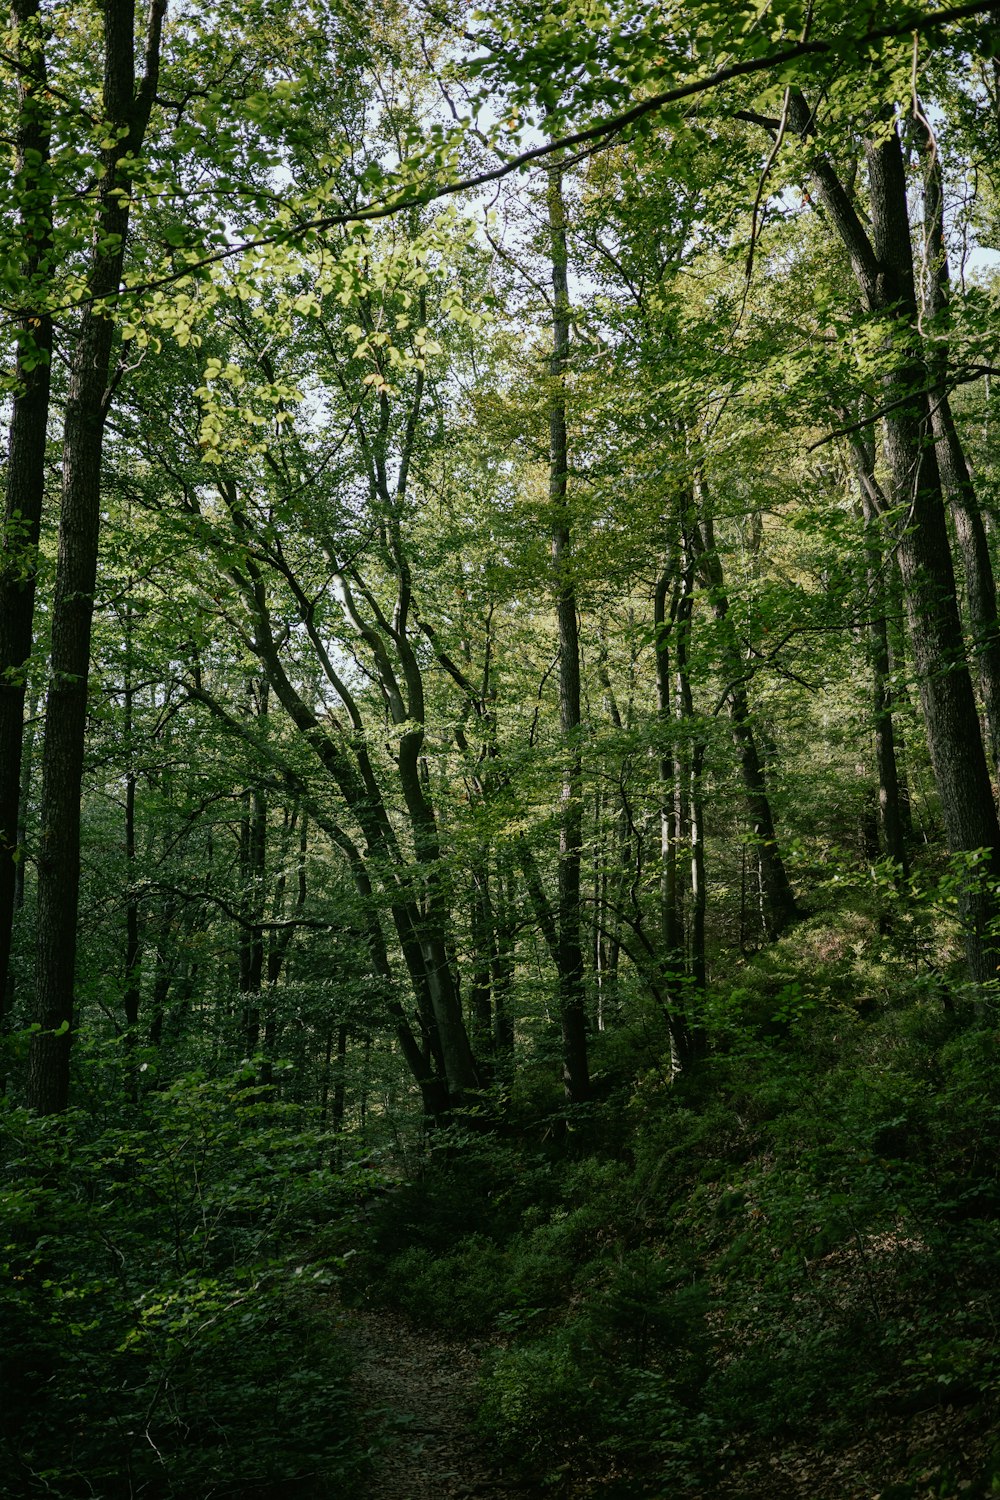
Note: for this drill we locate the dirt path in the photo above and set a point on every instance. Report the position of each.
(422, 1389)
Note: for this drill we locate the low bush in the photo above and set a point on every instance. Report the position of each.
(157, 1336)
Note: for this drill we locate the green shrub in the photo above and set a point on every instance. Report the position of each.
(461, 1292)
(563, 1402)
(540, 1399)
(156, 1336)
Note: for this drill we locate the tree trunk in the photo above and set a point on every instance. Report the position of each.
(674, 792)
(615, 869)
(671, 920)
(572, 1012)
(252, 868)
(133, 940)
(691, 779)
(25, 481)
(890, 800)
(339, 1091)
(481, 940)
(281, 941)
(956, 480)
(896, 638)
(953, 732)
(503, 966)
(777, 900)
(27, 768)
(126, 114)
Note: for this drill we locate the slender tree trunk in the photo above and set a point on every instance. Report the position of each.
(365, 1082)
(281, 942)
(430, 927)
(980, 586)
(425, 1062)
(25, 480)
(890, 817)
(131, 994)
(325, 1076)
(778, 905)
(671, 920)
(133, 940)
(615, 867)
(902, 703)
(339, 1090)
(252, 865)
(481, 964)
(889, 800)
(572, 1011)
(27, 768)
(253, 878)
(27, 765)
(668, 625)
(126, 111)
(691, 779)
(503, 966)
(599, 903)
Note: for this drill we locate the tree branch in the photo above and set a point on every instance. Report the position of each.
(601, 132)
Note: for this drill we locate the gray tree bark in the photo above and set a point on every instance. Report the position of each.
(883, 269)
(956, 478)
(572, 1011)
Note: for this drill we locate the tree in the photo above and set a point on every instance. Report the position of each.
(323, 355)
(127, 102)
(883, 269)
(569, 964)
(25, 474)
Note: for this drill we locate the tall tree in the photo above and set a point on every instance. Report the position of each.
(956, 478)
(25, 478)
(778, 907)
(883, 269)
(127, 101)
(572, 1009)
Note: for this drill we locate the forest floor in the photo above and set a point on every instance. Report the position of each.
(934, 1446)
(418, 1392)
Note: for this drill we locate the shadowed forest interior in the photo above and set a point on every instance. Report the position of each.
(499, 749)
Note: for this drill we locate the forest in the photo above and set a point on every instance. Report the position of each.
(499, 750)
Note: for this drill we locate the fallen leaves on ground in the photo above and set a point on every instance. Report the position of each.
(419, 1394)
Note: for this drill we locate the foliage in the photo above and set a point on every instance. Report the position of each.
(159, 1328)
(476, 655)
(797, 1249)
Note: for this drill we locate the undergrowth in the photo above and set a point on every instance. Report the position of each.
(160, 1333)
(788, 1254)
(794, 1245)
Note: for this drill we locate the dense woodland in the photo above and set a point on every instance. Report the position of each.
(499, 741)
